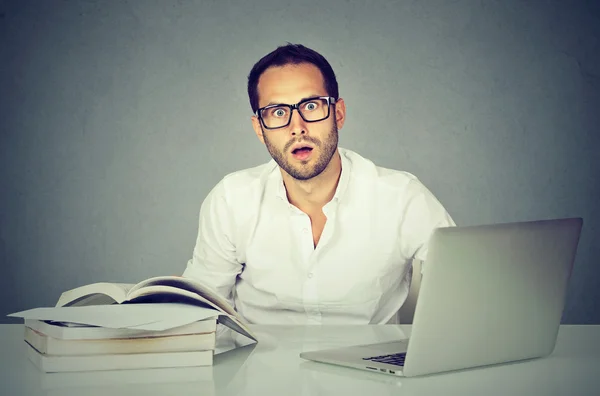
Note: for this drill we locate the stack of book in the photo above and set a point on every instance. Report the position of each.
(60, 347)
(106, 326)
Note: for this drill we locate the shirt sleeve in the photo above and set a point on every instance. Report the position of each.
(214, 260)
(423, 213)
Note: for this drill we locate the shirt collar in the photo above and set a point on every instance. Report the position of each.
(342, 183)
(344, 177)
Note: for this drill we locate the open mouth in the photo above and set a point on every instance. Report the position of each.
(302, 153)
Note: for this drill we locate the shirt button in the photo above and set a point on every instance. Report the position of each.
(305, 230)
(310, 275)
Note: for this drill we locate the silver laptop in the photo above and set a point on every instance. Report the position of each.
(490, 294)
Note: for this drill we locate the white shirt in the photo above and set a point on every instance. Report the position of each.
(257, 250)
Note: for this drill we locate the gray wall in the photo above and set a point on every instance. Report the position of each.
(117, 118)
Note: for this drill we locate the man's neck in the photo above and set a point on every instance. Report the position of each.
(313, 194)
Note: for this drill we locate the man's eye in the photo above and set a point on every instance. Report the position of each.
(279, 112)
(311, 106)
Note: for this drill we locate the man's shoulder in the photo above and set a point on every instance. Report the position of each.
(366, 170)
(249, 178)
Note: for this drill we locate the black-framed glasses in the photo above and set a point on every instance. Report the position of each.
(311, 110)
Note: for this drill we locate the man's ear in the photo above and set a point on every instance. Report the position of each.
(340, 112)
(258, 129)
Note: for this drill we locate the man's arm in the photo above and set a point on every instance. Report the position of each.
(214, 260)
(423, 214)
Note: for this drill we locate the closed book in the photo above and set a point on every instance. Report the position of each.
(175, 343)
(66, 332)
(57, 364)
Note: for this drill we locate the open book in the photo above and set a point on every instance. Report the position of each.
(158, 290)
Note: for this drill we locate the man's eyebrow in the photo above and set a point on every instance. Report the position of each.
(304, 98)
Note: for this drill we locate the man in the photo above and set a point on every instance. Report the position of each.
(319, 235)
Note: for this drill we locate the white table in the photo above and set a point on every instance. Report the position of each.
(272, 367)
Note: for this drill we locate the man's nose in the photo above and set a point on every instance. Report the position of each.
(297, 124)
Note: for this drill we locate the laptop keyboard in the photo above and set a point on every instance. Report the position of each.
(395, 359)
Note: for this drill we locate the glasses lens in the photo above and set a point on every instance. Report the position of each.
(314, 109)
(275, 117)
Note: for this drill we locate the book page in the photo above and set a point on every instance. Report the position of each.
(168, 294)
(155, 317)
(95, 294)
(234, 325)
(189, 288)
(189, 285)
